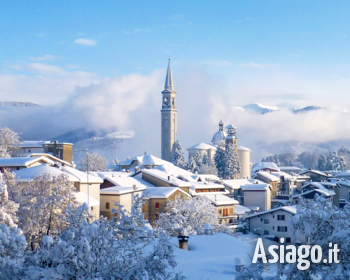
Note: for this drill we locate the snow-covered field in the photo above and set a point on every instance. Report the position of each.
(212, 257)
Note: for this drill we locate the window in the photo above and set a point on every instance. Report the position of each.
(273, 227)
(107, 205)
(157, 205)
(156, 216)
(219, 211)
(280, 217)
(266, 232)
(92, 208)
(289, 240)
(29, 151)
(231, 211)
(282, 229)
(266, 221)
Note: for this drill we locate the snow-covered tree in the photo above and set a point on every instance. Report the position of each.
(197, 159)
(41, 205)
(115, 161)
(219, 160)
(322, 162)
(123, 248)
(192, 165)
(205, 160)
(9, 140)
(322, 222)
(94, 162)
(188, 216)
(276, 160)
(232, 165)
(208, 169)
(178, 155)
(8, 208)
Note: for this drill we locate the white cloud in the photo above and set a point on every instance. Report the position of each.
(44, 57)
(254, 65)
(85, 42)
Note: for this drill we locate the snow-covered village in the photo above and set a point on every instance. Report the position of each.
(182, 140)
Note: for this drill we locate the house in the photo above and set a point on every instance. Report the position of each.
(25, 175)
(257, 195)
(17, 163)
(345, 174)
(142, 161)
(311, 189)
(160, 178)
(234, 187)
(291, 169)
(87, 183)
(344, 191)
(225, 207)
(315, 175)
(58, 149)
(203, 188)
(123, 195)
(275, 223)
(268, 178)
(156, 199)
(265, 166)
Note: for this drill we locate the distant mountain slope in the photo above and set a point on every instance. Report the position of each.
(307, 109)
(18, 104)
(257, 108)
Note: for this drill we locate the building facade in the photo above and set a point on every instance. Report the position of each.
(168, 117)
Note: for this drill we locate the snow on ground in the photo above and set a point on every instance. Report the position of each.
(212, 257)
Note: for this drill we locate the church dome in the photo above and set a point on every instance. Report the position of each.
(219, 136)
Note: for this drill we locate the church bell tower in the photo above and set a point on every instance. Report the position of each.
(169, 116)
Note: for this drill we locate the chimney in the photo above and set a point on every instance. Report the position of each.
(168, 178)
(134, 187)
(183, 242)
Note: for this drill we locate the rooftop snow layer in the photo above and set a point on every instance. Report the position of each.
(202, 146)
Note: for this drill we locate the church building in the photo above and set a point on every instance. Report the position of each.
(168, 117)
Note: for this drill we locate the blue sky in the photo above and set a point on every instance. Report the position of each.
(138, 36)
(101, 64)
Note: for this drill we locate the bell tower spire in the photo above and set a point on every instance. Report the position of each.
(168, 117)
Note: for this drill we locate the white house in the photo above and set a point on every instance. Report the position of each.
(275, 223)
(257, 195)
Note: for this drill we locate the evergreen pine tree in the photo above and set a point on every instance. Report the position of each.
(178, 155)
(197, 159)
(219, 161)
(205, 160)
(276, 160)
(322, 163)
(192, 165)
(232, 165)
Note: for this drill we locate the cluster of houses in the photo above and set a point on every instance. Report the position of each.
(266, 201)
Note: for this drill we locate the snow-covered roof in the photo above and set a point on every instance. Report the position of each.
(33, 144)
(205, 177)
(170, 168)
(324, 191)
(27, 174)
(282, 201)
(219, 136)
(290, 209)
(343, 173)
(315, 172)
(53, 158)
(164, 176)
(241, 210)
(104, 174)
(268, 176)
(236, 184)
(162, 192)
(22, 161)
(265, 165)
(83, 176)
(220, 199)
(284, 174)
(256, 187)
(202, 146)
(128, 181)
(144, 160)
(290, 168)
(83, 198)
(117, 190)
(241, 148)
